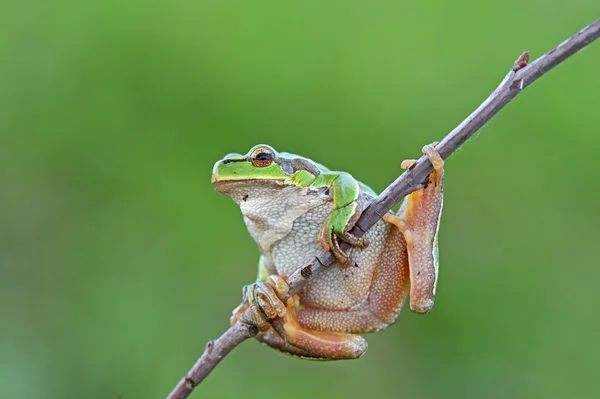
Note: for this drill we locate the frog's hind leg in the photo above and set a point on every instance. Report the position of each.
(418, 220)
(279, 327)
(300, 341)
(274, 340)
(388, 291)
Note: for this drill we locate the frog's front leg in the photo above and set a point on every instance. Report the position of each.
(418, 220)
(347, 208)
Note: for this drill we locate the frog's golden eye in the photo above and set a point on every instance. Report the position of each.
(262, 157)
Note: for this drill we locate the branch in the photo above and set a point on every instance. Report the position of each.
(521, 76)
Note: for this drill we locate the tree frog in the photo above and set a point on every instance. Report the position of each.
(293, 207)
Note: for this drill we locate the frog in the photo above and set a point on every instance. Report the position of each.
(293, 208)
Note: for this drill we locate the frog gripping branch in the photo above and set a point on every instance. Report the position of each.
(418, 221)
(319, 330)
(347, 206)
(290, 211)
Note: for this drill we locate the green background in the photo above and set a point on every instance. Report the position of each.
(118, 261)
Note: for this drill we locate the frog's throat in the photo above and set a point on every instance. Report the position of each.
(270, 216)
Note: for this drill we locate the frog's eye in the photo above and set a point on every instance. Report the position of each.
(262, 157)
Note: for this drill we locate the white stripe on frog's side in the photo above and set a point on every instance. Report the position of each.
(436, 250)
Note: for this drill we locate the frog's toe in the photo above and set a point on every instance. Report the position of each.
(267, 299)
(341, 256)
(330, 240)
(337, 251)
(332, 243)
(353, 240)
(408, 163)
(279, 285)
(434, 157)
(263, 299)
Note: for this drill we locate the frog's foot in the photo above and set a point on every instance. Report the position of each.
(299, 341)
(337, 227)
(263, 299)
(275, 341)
(418, 220)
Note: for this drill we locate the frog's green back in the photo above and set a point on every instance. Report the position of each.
(324, 169)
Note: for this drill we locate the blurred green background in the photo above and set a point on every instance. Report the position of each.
(118, 261)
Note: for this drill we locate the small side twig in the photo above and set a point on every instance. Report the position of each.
(520, 76)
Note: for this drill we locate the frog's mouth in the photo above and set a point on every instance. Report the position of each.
(216, 182)
(227, 186)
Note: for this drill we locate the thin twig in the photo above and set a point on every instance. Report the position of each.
(520, 76)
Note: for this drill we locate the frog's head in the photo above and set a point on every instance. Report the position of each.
(262, 166)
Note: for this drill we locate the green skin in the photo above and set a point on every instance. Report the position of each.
(303, 172)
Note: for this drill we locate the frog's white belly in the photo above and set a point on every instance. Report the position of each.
(286, 221)
(336, 288)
